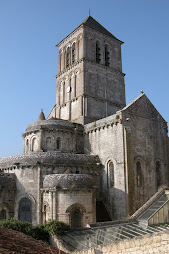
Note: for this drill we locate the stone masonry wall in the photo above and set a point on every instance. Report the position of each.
(105, 138)
(83, 197)
(146, 138)
(156, 243)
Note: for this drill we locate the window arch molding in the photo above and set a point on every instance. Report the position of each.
(32, 143)
(76, 215)
(76, 206)
(34, 205)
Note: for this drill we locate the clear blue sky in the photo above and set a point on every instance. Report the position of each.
(30, 29)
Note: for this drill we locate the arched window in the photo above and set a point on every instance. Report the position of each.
(110, 174)
(68, 57)
(34, 145)
(139, 174)
(25, 210)
(3, 214)
(158, 175)
(98, 55)
(48, 144)
(27, 146)
(58, 143)
(73, 52)
(107, 63)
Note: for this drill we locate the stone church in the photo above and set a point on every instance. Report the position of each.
(93, 158)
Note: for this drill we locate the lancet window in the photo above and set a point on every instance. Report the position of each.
(107, 59)
(98, 55)
(139, 174)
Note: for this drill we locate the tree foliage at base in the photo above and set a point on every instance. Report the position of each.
(39, 232)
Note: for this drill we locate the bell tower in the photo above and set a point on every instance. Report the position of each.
(90, 82)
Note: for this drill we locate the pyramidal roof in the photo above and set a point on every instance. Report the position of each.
(92, 23)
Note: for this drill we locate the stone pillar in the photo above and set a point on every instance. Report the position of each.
(40, 141)
(54, 205)
(51, 204)
(74, 85)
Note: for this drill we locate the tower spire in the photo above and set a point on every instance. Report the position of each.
(89, 12)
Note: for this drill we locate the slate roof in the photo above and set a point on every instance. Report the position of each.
(48, 158)
(140, 108)
(53, 124)
(92, 23)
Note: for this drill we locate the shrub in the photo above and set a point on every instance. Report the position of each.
(56, 227)
(39, 232)
(20, 226)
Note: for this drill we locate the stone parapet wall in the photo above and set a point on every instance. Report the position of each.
(156, 243)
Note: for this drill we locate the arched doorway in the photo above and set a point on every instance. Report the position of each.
(25, 210)
(76, 213)
(76, 217)
(3, 214)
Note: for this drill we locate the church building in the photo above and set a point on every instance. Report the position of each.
(94, 158)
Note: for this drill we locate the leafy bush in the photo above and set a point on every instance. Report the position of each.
(20, 226)
(56, 227)
(39, 232)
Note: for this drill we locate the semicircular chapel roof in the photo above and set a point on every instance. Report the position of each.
(48, 158)
(53, 123)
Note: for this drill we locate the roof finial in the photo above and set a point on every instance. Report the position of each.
(89, 12)
(41, 116)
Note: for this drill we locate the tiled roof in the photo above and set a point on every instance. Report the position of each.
(15, 242)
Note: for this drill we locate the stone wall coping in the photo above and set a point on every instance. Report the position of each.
(101, 123)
